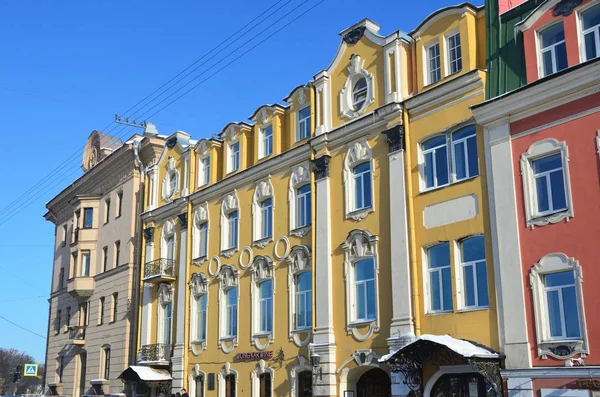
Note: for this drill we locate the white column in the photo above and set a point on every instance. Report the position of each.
(146, 315)
(402, 325)
(178, 369)
(393, 93)
(323, 340)
(323, 89)
(512, 320)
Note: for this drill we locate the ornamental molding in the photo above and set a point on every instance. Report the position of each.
(168, 228)
(149, 235)
(169, 191)
(165, 294)
(171, 142)
(356, 71)
(201, 213)
(320, 167)
(300, 232)
(198, 284)
(394, 137)
(566, 7)
(354, 36)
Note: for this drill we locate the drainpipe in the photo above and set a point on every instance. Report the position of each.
(137, 273)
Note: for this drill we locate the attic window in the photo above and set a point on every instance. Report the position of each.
(359, 93)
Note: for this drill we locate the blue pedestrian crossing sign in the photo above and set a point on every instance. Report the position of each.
(30, 370)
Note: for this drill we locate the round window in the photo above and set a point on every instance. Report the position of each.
(359, 93)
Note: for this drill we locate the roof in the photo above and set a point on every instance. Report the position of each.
(460, 346)
(442, 12)
(138, 372)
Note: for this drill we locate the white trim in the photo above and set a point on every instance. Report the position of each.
(195, 373)
(552, 263)
(528, 22)
(165, 297)
(229, 154)
(359, 152)
(447, 61)
(262, 270)
(171, 177)
(261, 369)
(360, 245)
(564, 393)
(201, 216)
(538, 150)
(445, 370)
(199, 288)
(230, 203)
(299, 262)
(356, 72)
(300, 177)
(263, 191)
(295, 371)
(262, 141)
(226, 370)
(427, 80)
(228, 277)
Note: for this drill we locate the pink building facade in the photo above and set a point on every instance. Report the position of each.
(542, 146)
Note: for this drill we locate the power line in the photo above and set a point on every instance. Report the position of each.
(77, 153)
(23, 328)
(19, 278)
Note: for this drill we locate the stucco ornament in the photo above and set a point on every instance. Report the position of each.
(198, 284)
(165, 294)
(356, 72)
(170, 184)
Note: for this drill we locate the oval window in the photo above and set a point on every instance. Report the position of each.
(359, 93)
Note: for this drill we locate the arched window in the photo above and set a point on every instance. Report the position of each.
(359, 93)
(300, 293)
(170, 185)
(230, 224)
(200, 237)
(227, 381)
(199, 307)
(199, 385)
(262, 380)
(262, 291)
(165, 313)
(358, 181)
(228, 307)
(262, 213)
(362, 286)
(168, 240)
(300, 201)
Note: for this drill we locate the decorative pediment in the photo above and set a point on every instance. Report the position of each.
(300, 176)
(201, 214)
(359, 244)
(262, 268)
(357, 153)
(165, 294)
(168, 228)
(228, 276)
(299, 259)
(170, 164)
(230, 202)
(263, 189)
(202, 147)
(356, 71)
(198, 284)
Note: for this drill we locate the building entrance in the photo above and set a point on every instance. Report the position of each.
(374, 383)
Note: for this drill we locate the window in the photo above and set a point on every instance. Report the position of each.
(546, 184)
(115, 301)
(85, 264)
(106, 363)
(305, 384)
(303, 312)
(106, 210)
(202, 243)
(199, 383)
(303, 205)
(230, 387)
(303, 127)
(117, 252)
(64, 236)
(359, 93)
(435, 160)
(234, 156)
(265, 304)
(199, 284)
(84, 314)
(101, 311)
(68, 316)
(61, 368)
(590, 24)
(364, 290)
(265, 384)
(200, 304)
(434, 69)
(553, 50)
(454, 53)
(170, 183)
(231, 297)
(266, 141)
(104, 259)
(232, 227)
(61, 278)
(74, 263)
(88, 217)
(205, 171)
(473, 273)
(464, 153)
(266, 218)
(170, 246)
(439, 278)
(362, 184)
(58, 319)
(165, 313)
(119, 204)
(556, 286)
(561, 305)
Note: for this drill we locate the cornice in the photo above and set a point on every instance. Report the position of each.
(553, 372)
(548, 93)
(114, 271)
(165, 211)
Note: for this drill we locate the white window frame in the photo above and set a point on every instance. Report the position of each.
(170, 183)
(427, 280)
(301, 124)
(200, 218)
(165, 297)
(546, 345)
(537, 150)
(582, 32)
(199, 289)
(427, 66)
(300, 177)
(552, 48)
(265, 140)
(230, 204)
(262, 269)
(85, 254)
(299, 262)
(204, 171)
(459, 276)
(263, 191)
(356, 71)
(359, 245)
(447, 50)
(168, 232)
(225, 371)
(228, 277)
(452, 158)
(423, 153)
(192, 377)
(259, 370)
(357, 154)
(231, 156)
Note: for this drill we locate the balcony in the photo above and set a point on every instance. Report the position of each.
(77, 334)
(159, 353)
(81, 288)
(159, 271)
(84, 235)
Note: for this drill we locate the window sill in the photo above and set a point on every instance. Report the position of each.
(200, 341)
(552, 217)
(302, 330)
(228, 253)
(431, 189)
(199, 261)
(437, 313)
(360, 214)
(262, 243)
(228, 339)
(361, 323)
(301, 231)
(263, 334)
(472, 309)
(118, 216)
(562, 349)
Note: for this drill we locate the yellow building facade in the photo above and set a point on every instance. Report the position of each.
(312, 250)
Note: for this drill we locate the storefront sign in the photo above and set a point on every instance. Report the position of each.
(253, 355)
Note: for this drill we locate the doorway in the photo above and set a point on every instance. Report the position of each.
(374, 383)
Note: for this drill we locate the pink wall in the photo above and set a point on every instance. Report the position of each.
(571, 41)
(505, 5)
(578, 237)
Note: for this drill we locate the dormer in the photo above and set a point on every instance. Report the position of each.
(368, 71)
(169, 178)
(301, 113)
(559, 34)
(268, 130)
(208, 159)
(237, 147)
(448, 43)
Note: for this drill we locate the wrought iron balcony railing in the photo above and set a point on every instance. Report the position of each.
(77, 334)
(154, 353)
(160, 267)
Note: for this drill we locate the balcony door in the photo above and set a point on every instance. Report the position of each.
(165, 314)
(171, 248)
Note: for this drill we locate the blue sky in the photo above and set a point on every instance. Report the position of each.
(68, 66)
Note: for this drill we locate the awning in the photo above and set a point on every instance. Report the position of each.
(464, 348)
(147, 374)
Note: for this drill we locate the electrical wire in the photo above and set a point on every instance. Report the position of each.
(23, 328)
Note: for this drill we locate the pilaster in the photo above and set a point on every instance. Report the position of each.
(323, 95)
(179, 349)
